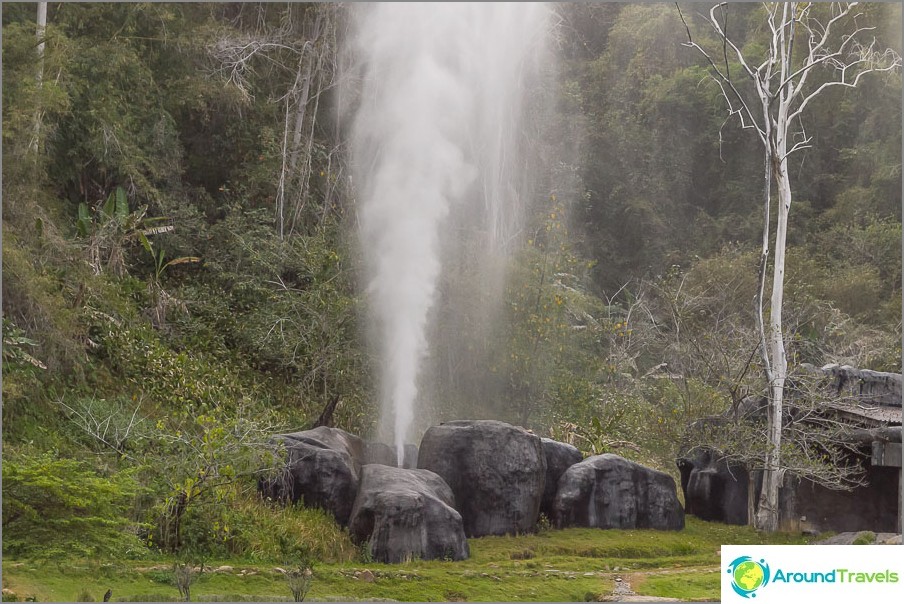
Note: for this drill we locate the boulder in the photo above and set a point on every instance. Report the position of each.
(559, 457)
(713, 490)
(380, 453)
(405, 514)
(409, 457)
(322, 470)
(496, 472)
(608, 491)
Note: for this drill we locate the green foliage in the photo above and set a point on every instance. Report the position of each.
(289, 535)
(15, 348)
(203, 455)
(56, 507)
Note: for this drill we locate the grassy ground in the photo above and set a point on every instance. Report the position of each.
(567, 565)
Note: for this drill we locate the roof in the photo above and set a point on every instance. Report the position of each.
(864, 396)
(887, 415)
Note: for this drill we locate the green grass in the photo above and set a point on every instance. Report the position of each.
(699, 585)
(567, 565)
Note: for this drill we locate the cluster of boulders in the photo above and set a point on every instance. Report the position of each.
(472, 478)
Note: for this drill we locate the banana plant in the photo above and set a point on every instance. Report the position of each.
(114, 225)
(115, 207)
(160, 265)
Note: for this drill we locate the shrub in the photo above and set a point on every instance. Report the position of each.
(62, 506)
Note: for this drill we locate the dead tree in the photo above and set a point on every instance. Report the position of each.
(804, 37)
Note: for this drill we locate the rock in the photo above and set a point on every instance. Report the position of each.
(365, 575)
(713, 490)
(223, 569)
(559, 457)
(380, 453)
(409, 457)
(892, 540)
(877, 387)
(496, 472)
(405, 514)
(322, 469)
(850, 538)
(608, 491)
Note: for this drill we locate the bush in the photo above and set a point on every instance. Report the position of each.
(242, 525)
(63, 507)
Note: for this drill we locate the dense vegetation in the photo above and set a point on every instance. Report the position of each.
(181, 270)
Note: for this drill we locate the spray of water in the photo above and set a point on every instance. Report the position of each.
(438, 116)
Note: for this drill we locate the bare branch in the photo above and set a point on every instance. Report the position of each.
(744, 109)
(868, 57)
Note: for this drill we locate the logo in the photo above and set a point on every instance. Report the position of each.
(748, 575)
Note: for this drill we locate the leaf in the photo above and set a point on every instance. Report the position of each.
(122, 204)
(109, 208)
(145, 243)
(158, 230)
(182, 260)
(83, 223)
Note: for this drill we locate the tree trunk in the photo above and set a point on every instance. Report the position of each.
(751, 497)
(768, 512)
(39, 76)
(300, 107)
(42, 25)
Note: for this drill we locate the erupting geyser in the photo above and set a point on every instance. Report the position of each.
(440, 102)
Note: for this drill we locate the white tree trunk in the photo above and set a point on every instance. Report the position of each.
(768, 512)
(39, 76)
(42, 25)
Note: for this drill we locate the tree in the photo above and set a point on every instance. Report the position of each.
(304, 48)
(41, 28)
(804, 41)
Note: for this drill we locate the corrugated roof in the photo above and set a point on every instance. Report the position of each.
(872, 414)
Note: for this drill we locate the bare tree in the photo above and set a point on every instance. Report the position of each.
(305, 49)
(804, 37)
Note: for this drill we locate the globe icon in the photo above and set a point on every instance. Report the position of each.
(748, 575)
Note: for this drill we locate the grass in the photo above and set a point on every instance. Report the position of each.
(566, 565)
(699, 585)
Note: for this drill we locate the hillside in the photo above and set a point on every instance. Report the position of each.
(185, 275)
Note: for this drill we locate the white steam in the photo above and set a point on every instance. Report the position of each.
(438, 115)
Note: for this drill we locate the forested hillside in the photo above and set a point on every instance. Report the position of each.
(182, 273)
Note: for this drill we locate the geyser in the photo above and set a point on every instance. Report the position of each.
(437, 125)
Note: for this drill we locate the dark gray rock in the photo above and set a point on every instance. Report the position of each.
(322, 469)
(409, 457)
(559, 457)
(496, 472)
(713, 489)
(608, 491)
(405, 514)
(878, 387)
(380, 453)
